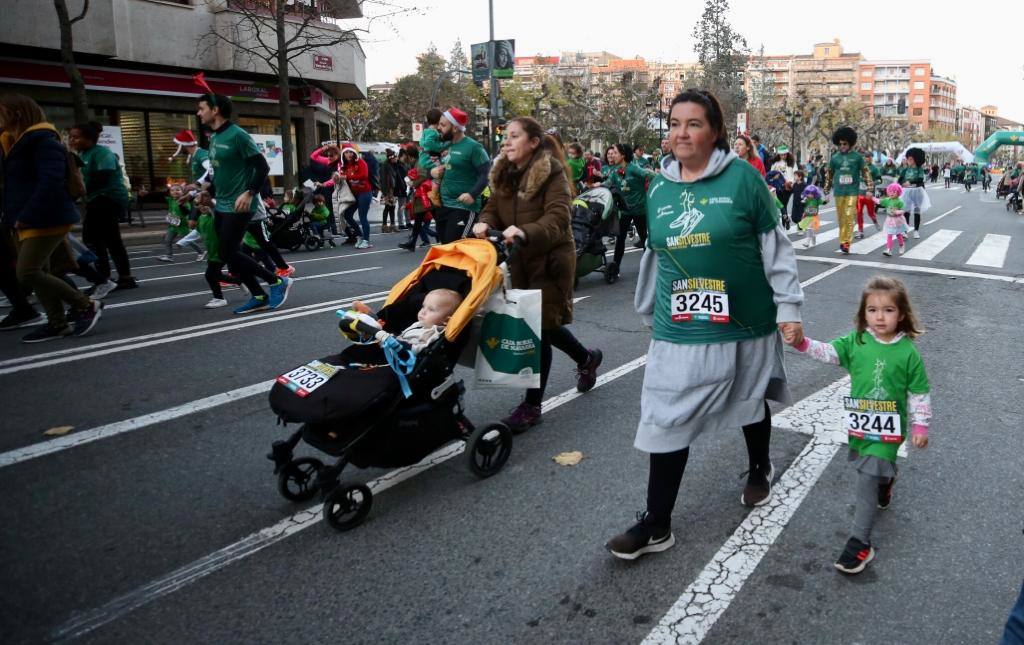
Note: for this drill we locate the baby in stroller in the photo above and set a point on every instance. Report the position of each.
(392, 398)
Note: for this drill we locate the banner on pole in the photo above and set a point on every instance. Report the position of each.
(495, 58)
(741, 123)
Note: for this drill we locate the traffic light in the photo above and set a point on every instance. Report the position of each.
(901, 106)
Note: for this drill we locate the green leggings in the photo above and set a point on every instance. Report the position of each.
(33, 272)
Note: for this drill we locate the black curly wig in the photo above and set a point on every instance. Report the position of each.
(845, 133)
(917, 155)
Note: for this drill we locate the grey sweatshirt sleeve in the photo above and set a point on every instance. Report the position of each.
(646, 285)
(779, 260)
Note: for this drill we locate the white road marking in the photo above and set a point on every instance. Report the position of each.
(868, 244)
(132, 303)
(85, 622)
(932, 245)
(693, 615)
(991, 252)
(822, 275)
(912, 268)
(932, 221)
(826, 236)
(111, 429)
(343, 256)
(173, 336)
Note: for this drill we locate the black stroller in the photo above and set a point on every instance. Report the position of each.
(595, 215)
(294, 230)
(352, 407)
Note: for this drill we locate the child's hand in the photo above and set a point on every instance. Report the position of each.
(361, 307)
(792, 333)
(919, 441)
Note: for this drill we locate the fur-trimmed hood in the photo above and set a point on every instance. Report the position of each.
(503, 176)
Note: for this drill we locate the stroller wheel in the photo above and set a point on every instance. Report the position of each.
(295, 247)
(347, 506)
(296, 481)
(313, 243)
(488, 448)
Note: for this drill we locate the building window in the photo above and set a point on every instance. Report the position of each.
(865, 86)
(919, 71)
(918, 99)
(865, 72)
(918, 85)
(918, 111)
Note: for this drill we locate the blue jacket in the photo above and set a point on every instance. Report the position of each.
(35, 182)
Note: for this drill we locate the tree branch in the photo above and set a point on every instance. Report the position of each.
(85, 10)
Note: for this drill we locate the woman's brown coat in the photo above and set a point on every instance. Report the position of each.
(538, 200)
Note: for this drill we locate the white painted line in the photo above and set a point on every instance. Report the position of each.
(826, 236)
(911, 268)
(111, 429)
(868, 244)
(991, 252)
(133, 303)
(931, 246)
(173, 336)
(932, 221)
(822, 275)
(83, 623)
(342, 256)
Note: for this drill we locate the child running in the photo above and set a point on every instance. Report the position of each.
(895, 220)
(810, 222)
(888, 389)
(215, 277)
(177, 223)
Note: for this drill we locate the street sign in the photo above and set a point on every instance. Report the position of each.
(417, 130)
(741, 123)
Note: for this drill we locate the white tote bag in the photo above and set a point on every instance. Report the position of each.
(508, 350)
(342, 197)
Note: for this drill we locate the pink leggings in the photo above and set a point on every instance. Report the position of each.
(888, 240)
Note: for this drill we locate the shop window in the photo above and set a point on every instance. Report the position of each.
(269, 126)
(163, 126)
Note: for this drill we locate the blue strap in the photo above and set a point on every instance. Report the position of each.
(402, 361)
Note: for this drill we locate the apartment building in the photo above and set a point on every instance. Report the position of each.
(970, 126)
(138, 58)
(884, 85)
(942, 104)
(827, 72)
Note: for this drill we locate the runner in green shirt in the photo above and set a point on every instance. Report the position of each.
(630, 178)
(465, 177)
(239, 170)
(846, 169)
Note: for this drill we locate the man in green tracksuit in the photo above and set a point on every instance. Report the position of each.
(845, 172)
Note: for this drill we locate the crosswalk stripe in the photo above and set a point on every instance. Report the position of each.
(928, 248)
(991, 252)
(868, 244)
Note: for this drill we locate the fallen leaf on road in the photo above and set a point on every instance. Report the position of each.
(569, 458)
(58, 431)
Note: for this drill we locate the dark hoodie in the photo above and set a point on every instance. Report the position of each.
(35, 181)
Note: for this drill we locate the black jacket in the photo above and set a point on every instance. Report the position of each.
(35, 182)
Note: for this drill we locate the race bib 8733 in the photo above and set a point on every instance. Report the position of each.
(872, 420)
(702, 299)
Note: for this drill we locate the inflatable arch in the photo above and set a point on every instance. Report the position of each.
(949, 147)
(1001, 138)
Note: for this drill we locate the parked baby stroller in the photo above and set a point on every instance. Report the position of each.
(355, 408)
(595, 215)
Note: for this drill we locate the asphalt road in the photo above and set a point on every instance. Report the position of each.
(170, 529)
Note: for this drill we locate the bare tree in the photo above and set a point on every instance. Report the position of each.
(276, 33)
(67, 57)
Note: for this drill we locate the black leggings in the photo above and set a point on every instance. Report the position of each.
(917, 220)
(563, 339)
(389, 213)
(214, 277)
(231, 229)
(101, 232)
(259, 232)
(620, 241)
(667, 469)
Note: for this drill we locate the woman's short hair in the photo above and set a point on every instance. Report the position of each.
(19, 112)
(712, 111)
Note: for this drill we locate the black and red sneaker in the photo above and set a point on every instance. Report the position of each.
(844, 249)
(855, 556)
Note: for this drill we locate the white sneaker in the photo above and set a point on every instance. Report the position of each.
(363, 244)
(916, 234)
(807, 243)
(201, 257)
(216, 303)
(903, 249)
(887, 253)
(165, 258)
(859, 235)
(101, 290)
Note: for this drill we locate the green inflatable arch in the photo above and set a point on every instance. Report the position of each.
(1001, 138)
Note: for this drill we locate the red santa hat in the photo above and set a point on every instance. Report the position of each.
(348, 146)
(184, 139)
(457, 118)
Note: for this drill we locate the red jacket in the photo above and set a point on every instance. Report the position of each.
(358, 175)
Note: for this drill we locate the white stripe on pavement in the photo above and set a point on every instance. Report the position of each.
(86, 622)
(912, 268)
(932, 221)
(111, 429)
(173, 336)
(132, 303)
(868, 244)
(931, 246)
(991, 252)
(342, 256)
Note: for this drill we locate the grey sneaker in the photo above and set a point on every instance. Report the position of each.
(101, 291)
(641, 538)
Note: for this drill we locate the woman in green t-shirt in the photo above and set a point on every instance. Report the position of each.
(718, 282)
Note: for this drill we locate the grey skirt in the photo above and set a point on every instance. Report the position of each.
(690, 389)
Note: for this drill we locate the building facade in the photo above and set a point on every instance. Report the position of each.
(138, 58)
(970, 126)
(827, 72)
